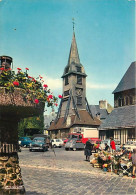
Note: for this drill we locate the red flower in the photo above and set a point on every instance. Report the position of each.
(45, 85)
(27, 68)
(29, 77)
(60, 96)
(36, 101)
(56, 104)
(2, 68)
(19, 69)
(50, 96)
(16, 83)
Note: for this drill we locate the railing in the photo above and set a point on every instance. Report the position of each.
(8, 148)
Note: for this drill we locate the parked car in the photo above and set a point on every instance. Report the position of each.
(117, 143)
(74, 145)
(38, 144)
(57, 143)
(130, 145)
(24, 141)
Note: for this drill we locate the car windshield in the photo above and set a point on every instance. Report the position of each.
(27, 138)
(38, 139)
(73, 136)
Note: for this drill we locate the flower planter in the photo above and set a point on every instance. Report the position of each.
(13, 107)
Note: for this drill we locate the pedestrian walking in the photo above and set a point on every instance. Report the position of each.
(88, 149)
(112, 144)
(134, 162)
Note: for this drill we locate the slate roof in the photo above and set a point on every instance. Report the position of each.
(95, 109)
(85, 119)
(121, 117)
(129, 79)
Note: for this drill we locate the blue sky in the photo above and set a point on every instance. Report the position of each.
(105, 35)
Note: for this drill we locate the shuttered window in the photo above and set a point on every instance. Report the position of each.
(78, 69)
(66, 93)
(79, 100)
(79, 79)
(66, 80)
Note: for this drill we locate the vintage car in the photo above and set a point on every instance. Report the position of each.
(57, 143)
(24, 141)
(130, 145)
(74, 145)
(38, 144)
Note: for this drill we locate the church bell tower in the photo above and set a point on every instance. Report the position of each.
(74, 82)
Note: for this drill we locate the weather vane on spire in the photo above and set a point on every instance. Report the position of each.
(73, 23)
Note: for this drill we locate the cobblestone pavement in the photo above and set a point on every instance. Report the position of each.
(68, 174)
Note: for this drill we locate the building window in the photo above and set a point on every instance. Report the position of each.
(79, 79)
(79, 101)
(131, 100)
(66, 93)
(78, 69)
(66, 80)
(127, 100)
(120, 102)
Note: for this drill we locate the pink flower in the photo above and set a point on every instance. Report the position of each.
(16, 83)
(27, 68)
(50, 96)
(45, 85)
(60, 96)
(36, 101)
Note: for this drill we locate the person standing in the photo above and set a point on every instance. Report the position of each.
(112, 144)
(134, 162)
(106, 147)
(88, 149)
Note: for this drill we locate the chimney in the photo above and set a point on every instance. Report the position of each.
(103, 104)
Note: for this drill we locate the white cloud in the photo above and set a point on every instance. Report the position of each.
(53, 83)
(100, 86)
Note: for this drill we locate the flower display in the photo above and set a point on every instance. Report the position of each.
(35, 91)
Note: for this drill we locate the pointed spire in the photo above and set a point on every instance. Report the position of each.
(73, 55)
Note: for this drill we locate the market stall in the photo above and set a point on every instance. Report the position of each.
(118, 162)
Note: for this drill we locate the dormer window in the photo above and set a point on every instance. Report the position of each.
(79, 79)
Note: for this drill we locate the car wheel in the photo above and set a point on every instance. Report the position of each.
(54, 146)
(66, 149)
(30, 150)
